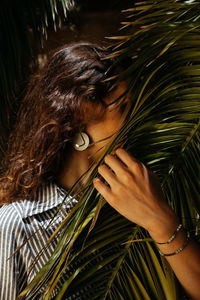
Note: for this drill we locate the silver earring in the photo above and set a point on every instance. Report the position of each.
(81, 141)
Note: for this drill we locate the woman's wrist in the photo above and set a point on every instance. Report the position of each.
(170, 236)
(164, 227)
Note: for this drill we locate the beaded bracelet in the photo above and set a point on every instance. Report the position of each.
(178, 250)
(173, 235)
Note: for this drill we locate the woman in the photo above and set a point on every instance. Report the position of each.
(67, 115)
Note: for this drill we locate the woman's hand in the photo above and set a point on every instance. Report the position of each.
(135, 192)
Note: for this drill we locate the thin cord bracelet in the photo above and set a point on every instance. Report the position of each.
(173, 235)
(178, 250)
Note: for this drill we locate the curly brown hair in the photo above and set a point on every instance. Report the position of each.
(60, 98)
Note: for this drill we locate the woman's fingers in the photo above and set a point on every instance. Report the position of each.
(102, 188)
(122, 168)
(125, 157)
(107, 174)
(115, 164)
(133, 164)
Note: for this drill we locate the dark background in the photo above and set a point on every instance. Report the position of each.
(89, 20)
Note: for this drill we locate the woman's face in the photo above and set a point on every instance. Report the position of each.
(108, 126)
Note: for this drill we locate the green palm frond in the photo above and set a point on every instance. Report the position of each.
(23, 27)
(162, 130)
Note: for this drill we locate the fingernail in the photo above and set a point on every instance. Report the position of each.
(96, 180)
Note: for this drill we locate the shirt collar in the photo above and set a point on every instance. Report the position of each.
(49, 195)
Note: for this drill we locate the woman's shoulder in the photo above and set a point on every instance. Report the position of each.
(12, 235)
(7, 210)
(9, 218)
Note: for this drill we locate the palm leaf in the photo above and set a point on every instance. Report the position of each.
(163, 132)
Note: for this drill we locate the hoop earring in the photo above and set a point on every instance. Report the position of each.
(81, 141)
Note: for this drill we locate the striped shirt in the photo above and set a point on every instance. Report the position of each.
(18, 222)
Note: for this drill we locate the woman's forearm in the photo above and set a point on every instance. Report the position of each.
(186, 264)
